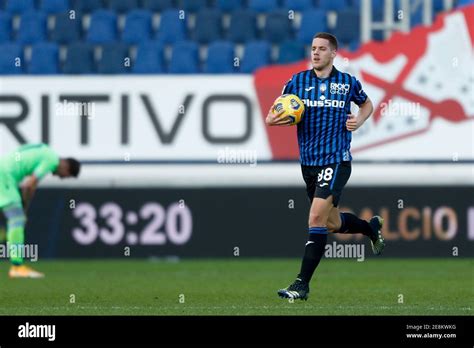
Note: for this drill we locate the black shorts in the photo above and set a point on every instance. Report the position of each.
(324, 181)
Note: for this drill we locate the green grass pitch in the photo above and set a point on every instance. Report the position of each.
(241, 287)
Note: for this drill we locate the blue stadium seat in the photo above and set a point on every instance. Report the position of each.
(464, 3)
(172, 29)
(348, 26)
(298, 5)
(113, 58)
(377, 6)
(291, 51)
(261, 6)
(192, 5)
(208, 26)
(220, 58)
(184, 58)
(44, 58)
(19, 6)
(138, 26)
(256, 54)
(87, 6)
(278, 27)
(229, 5)
(243, 26)
(149, 58)
(5, 27)
(54, 6)
(79, 59)
(2, 4)
(312, 22)
(9, 52)
(32, 27)
(66, 30)
(158, 5)
(333, 5)
(122, 6)
(103, 27)
(354, 45)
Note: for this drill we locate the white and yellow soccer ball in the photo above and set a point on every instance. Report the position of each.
(292, 106)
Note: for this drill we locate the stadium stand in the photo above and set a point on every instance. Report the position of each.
(155, 30)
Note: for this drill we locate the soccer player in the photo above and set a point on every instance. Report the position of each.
(21, 170)
(324, 136)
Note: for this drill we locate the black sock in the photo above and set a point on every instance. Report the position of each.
(352, 224)
(313, 252)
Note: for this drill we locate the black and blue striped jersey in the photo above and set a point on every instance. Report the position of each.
(322, 135)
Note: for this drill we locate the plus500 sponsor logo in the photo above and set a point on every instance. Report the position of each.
(325, 103)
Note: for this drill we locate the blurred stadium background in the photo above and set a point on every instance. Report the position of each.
(164, 101)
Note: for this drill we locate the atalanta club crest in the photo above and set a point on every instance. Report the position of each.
(323, 88)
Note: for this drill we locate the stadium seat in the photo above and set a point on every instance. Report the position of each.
(334, 5)
(208, 26)
(354, 45)
(262, 6)
(192, 5)
(348, 26)
(5, 27)
(278, 27)
(103, 27)
(2, 5)
(9, 53)
(291, 51)
(138, 26)
(229, 5)
(256, 54)
(220, 58)
(66, 30)
(172, 29)
(158, 5)
(298, 5)
(79, 59)
(243, 26)
(54, 6)
(312, 21)
(87, 6)
(19, 6)
(113, 58)
(44, 58)
(184, 58)
(464, 3)
(149, 58)
(32, 27)
(122, 6)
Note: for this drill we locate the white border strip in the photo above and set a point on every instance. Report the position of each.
(267, 175)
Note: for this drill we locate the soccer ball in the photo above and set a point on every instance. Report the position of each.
(292, 105)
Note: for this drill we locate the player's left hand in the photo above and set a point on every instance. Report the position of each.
(353, 122)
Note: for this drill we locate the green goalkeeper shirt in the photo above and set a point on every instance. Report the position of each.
(31, 159)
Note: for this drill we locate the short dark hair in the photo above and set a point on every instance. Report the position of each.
(74, 166)
(331, 38)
